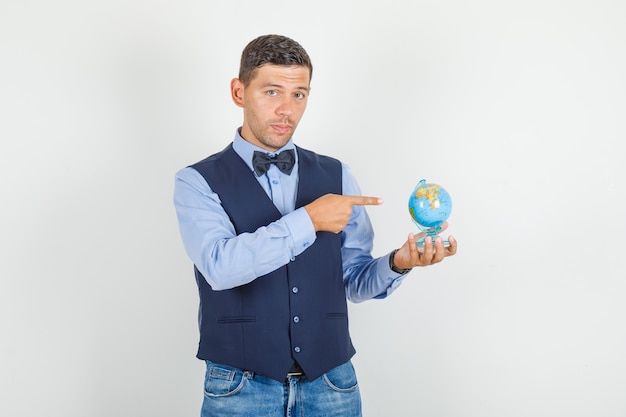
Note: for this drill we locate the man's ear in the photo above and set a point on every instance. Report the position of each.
(236, 91)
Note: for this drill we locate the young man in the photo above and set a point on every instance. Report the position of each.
(280, 238)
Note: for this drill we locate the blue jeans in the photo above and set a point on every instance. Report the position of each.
(232, 392)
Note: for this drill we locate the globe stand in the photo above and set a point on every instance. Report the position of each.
(433, 232)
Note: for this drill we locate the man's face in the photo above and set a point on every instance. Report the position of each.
(273, 104)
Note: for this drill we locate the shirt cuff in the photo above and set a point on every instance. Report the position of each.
(392, 279)
(301, 229)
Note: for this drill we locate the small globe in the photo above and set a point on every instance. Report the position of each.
(430, 205)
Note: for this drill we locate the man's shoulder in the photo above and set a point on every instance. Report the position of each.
(303, 152)
(212, 158)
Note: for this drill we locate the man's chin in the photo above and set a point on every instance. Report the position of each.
(278, 140)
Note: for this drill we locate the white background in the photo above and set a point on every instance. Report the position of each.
(515, 107)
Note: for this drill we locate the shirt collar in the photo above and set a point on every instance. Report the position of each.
(245, 149)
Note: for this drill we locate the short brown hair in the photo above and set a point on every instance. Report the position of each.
(272, 49)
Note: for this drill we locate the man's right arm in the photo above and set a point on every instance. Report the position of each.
(225, 259)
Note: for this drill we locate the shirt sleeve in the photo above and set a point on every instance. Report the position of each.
(217, 251)
(364, 277)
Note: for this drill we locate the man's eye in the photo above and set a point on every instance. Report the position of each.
(299, 95)
(272, 93)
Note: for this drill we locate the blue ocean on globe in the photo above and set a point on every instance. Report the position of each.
(429, 205)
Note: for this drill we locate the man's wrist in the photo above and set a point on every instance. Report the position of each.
(392, 264)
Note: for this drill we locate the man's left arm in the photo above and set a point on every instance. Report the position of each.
(364, 277)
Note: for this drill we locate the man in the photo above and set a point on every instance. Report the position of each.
(279, 237)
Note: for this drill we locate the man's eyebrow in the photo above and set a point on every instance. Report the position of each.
(283, 87)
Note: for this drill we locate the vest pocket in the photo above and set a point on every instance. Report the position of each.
(236, 319)
(335, 315)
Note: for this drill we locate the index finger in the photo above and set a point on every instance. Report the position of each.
(359, 200)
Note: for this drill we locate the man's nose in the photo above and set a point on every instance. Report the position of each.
(284, 108)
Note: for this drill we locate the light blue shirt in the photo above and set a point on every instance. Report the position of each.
(228, 260)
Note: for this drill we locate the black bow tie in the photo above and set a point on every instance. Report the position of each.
(284, 161)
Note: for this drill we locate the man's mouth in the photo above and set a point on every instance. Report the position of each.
(281, 127)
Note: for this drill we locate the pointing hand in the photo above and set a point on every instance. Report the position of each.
(331, 212)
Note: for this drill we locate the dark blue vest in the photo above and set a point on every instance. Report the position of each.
(297, 312)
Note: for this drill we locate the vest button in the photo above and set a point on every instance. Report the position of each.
(295, 290)
(296, 319)
(296, 349)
